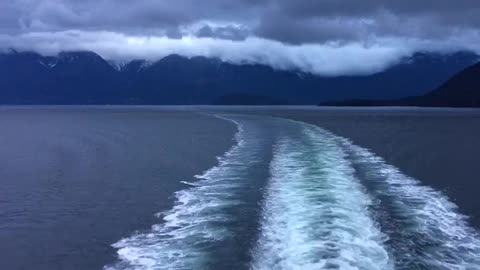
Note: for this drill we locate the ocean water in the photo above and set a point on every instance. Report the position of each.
(283, 194)
(327, 204)
(75, 180)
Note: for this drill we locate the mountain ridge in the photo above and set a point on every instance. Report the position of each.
(84, 77)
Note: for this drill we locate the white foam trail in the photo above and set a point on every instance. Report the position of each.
(316, 213)
(433, 234)
(189, 183)
(438, 236)
(196, 222)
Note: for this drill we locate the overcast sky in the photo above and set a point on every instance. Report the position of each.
(321, 36)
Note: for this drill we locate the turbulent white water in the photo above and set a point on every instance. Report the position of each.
(430, 232)
(327, 204)
(196, 222)
(316, 213)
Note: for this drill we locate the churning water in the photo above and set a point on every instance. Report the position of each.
(290, 195)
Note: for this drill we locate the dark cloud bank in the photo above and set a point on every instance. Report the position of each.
(321, 36)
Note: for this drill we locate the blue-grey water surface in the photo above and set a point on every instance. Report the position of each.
(142, 188)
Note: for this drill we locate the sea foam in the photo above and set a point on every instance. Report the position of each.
(191, 229)
(427, 230)
(316, 212)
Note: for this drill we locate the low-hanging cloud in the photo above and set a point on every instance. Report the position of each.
(329, 37)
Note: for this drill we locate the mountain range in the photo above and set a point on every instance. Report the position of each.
(83, 77)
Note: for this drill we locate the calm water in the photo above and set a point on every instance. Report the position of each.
(74, 181)
(123, 188)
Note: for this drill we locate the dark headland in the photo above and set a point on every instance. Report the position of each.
(461, 90)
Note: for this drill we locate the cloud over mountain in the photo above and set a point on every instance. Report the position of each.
(320, 36)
